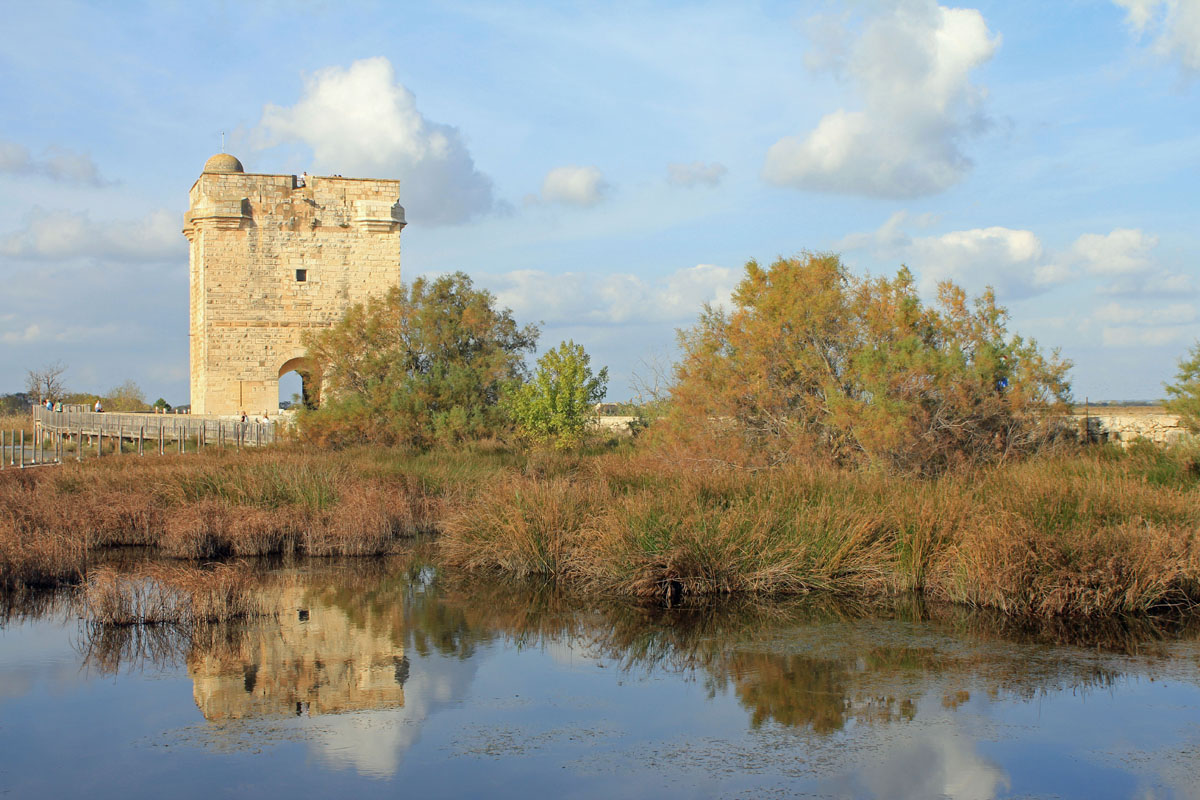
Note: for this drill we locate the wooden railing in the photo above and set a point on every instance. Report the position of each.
(77, 434)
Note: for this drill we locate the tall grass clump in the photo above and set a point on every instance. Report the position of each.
(1092, 533)
(205, 506)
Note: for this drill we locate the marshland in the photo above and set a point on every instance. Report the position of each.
(854, 534)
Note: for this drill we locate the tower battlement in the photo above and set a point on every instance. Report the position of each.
(270, 259)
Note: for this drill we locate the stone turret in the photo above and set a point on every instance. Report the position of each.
(271, 258)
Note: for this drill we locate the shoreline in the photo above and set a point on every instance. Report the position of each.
(1096, 533)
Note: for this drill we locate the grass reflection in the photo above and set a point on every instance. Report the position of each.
(345, 636)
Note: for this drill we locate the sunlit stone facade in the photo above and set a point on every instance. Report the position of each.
(271, 259)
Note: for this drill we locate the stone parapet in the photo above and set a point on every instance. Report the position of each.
(1124, 429)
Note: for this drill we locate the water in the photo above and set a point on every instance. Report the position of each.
(379, 679)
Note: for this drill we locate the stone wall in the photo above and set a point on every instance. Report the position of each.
(1125, 428)
(270, 260)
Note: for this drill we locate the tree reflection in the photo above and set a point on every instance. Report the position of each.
(352, 636)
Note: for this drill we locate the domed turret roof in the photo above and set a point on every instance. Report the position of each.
(223, 162)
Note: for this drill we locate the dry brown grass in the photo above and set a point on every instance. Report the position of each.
(202, 507)
(16, 422)
(1092, 533)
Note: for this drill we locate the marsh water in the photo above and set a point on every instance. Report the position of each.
(390, 678)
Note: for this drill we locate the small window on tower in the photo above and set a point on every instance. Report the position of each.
(301, 275)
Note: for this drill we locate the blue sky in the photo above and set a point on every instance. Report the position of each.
(608, 168)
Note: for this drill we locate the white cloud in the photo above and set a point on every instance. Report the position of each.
(888, 237)
(67, 234)
(574, 185)
(1124, 251)
(578, 298)
(361, 121)
(1163, 282)
(110, 332)
(1143, 325)
(30, 333)
(1016, 263)
(912, 67)
(1174, 314)
(696, 173)
(56, 162)
(1013, 262)
(1174, 25)
(1124, 257)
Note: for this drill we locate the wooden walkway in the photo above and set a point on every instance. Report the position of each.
(59, 435)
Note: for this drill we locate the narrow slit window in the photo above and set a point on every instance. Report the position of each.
(301, 275)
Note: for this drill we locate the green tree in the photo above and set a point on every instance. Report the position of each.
(1184, 394)
(163, 404)
(426, 363)
(815, 362)
(556, 405)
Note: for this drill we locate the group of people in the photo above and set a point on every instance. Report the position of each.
(58, 406)
(263, 420)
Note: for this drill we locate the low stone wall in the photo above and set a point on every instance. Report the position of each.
(1125, 428)
(615, 424)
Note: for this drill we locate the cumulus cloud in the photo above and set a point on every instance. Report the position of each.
(912, 68)
(696, 173)
(360, 121)
(1123, 251)
(579, 298)
(574, 185)
(57, 163)
(1125, 259)
(1014, 262)
(58, 235)
(1173, 25)
(1139, 325)
(1017, 264)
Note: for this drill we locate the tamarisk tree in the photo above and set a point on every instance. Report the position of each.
(812, 361)
(1184, 394)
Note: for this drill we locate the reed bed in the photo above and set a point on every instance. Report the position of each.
(1096, 532)
(53, 522)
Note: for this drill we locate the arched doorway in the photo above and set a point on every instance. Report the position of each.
(297, 385)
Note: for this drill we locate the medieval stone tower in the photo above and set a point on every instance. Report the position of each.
(270, 259)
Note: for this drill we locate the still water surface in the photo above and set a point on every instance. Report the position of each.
(391, 679)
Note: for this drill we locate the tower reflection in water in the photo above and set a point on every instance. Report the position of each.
(314, 660)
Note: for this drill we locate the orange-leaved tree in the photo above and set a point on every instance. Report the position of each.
(812, 361)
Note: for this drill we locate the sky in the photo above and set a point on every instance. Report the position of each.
(607, 169)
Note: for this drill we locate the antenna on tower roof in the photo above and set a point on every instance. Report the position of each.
(222, 141)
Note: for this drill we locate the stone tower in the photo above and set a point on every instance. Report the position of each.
(271, 259)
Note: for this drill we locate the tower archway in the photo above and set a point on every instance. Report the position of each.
(310, 386)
